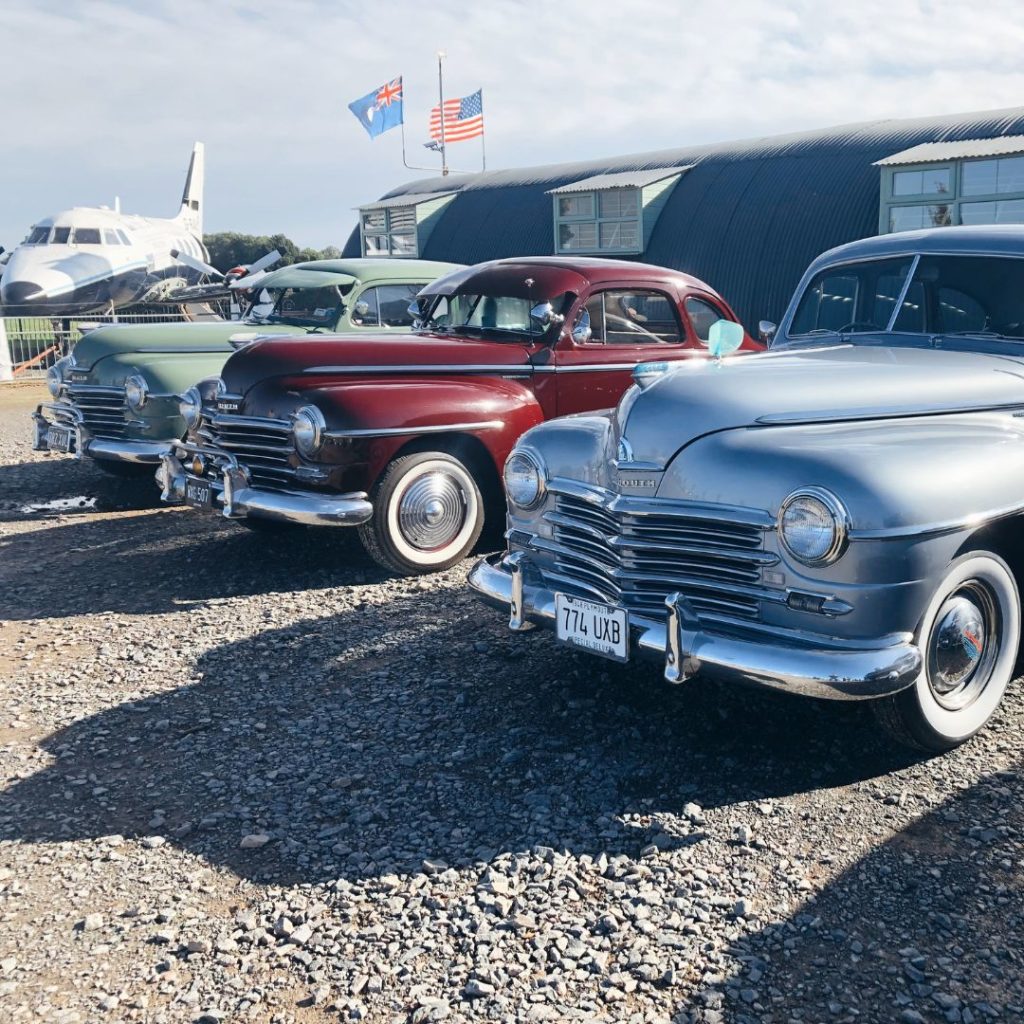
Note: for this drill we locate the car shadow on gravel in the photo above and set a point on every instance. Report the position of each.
(27, 487)
(162, 560)
(927, 927)
(369, 741)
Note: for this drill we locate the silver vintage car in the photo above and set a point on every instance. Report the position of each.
(841, 516)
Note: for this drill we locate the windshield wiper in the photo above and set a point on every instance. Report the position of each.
(980, 334)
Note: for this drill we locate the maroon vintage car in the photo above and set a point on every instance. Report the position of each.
(405, 436)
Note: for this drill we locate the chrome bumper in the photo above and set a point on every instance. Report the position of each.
(844, 672)
(84, 444)
(240, 499)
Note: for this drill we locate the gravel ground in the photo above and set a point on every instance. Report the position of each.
(247, 780)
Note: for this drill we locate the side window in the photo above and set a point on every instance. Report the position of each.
(640, 318)
(702, 315)
(366, 311)
(124, 238)
(61, 236)
(110, 237)
(595, 310)
(393, 302)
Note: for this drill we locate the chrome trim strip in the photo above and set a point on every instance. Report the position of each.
(835, 670)
(437, 428)
(831, 416)
(428, 368)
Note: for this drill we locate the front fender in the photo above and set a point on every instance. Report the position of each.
(380, 418)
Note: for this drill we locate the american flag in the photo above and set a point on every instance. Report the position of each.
(463, 118)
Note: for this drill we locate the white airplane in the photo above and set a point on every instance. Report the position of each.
(91, 260)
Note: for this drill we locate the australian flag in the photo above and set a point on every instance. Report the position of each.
(381, 109)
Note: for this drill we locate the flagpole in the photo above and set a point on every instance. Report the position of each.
(483, 135)
(440, 93)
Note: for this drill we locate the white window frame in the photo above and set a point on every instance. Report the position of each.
(597, 220)
(388, 233)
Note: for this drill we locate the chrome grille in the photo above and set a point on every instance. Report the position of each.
(103, 409)
(637, 559)
(263, 446)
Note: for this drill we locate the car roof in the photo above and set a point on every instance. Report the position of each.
(987, 239)
(552, 275)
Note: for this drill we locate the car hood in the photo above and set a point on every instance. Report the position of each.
(122, 339)
(318, 360)
(835, 384)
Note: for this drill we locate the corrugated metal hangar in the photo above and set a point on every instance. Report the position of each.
(746, 216)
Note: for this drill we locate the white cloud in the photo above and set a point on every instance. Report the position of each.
(106, 96)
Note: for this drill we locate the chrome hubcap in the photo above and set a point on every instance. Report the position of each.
(432, 511)
(962, 647)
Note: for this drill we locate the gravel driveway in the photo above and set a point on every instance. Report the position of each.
(252, 780)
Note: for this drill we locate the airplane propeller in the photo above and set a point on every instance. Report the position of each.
(246, 279)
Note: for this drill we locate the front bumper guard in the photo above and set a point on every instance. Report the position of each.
(84, 444)
(240, 499)
(862, 672)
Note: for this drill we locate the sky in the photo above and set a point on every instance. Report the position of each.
(105, 97)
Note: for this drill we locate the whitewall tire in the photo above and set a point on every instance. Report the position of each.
(428, 513)
(969, 636)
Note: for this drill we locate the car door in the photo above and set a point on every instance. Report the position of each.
(628, 324)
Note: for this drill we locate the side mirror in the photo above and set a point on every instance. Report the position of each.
(414, 309)
(766, 331)
(581, 331)
(544, 313)
(724, 337)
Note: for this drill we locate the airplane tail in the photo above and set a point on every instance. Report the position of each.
(191, 213)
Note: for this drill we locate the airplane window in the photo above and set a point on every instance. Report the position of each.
(110, 237)
(60, 236)
(86, 236)
(38, 236)
(124, 238)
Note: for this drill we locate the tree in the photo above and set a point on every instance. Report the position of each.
(229, 249)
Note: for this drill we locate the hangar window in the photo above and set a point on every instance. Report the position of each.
(390, 232)
(980, 181)
(611, 214)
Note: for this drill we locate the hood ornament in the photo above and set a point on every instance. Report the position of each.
(624, 452)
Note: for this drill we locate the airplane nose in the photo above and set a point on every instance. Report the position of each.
(19, 294)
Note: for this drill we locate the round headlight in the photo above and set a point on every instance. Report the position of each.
(190, 405)
(136, 391)
(813, 524)
(308, 428)
(524, 480)
(55, 376)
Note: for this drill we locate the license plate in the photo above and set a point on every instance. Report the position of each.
(198, 493)
(58, 439)
(599, 628)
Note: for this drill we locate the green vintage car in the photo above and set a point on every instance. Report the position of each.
(115, 398)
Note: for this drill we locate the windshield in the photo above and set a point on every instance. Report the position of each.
(307, 307)
(487, 314)
(969, 295)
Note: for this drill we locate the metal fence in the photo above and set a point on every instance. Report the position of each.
(29, 346)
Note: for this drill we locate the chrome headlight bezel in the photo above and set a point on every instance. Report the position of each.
(308, 430)
(190, 406)
(528, 463)
(56, 376)
(136, 391)
(834, 510)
